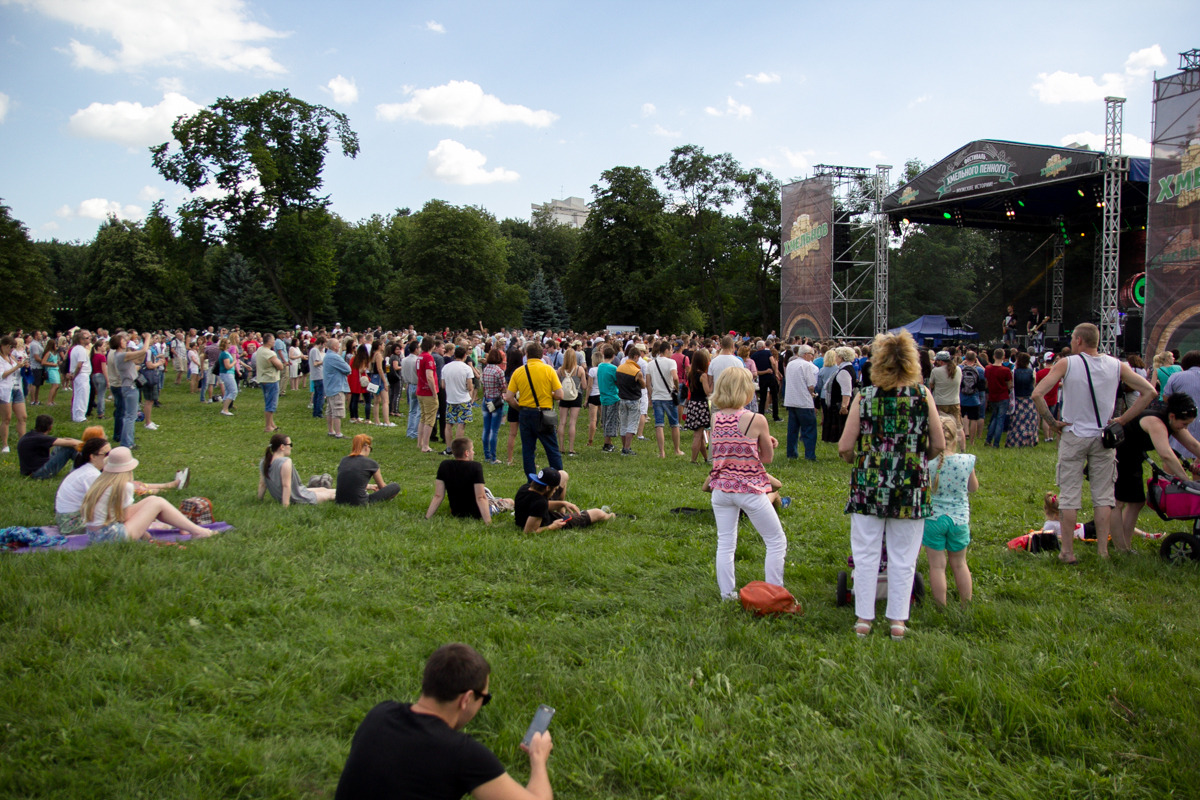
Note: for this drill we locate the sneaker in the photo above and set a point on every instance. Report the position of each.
(608, 448)
(151, 426)
(5, 450)
(572, 453)
(627, 451)
(447, 452)
(184, 476)
(641, 437)
(389, 424)
(225, 413)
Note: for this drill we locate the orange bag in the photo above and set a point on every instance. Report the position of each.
(763, 598)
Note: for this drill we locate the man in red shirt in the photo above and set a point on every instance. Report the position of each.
(999, 379)
(427, 392)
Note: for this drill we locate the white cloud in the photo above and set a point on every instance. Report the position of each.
(797, 160)
(453, 162)
(436, 27)
(99, 208)
(659, 130)
(211, 33)
(1130, 145)
(170, 85)
(919, 100)
(732, 108)
(877, 156)
(49, 227)
(1141, 62)
(1071, 87)
(648, 109)
(131, 124)
(461, 104)
(764, 77)
(3, 106)
(344, 90)
(149, 194)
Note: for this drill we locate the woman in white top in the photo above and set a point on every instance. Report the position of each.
(12, 398)
(945, 380)
(69, 499)
(111, 514)
(593, 400)
(294, 359)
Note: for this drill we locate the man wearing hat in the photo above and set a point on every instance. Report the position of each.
(541, 504)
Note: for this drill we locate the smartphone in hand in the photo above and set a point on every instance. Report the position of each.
(541, 721)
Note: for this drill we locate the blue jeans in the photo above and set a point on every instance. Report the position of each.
(530, 421)
(318, 397)
(99, 387)
(59, 456)
(665, 413)
(802, 425)
(999, 415)
(414, 412)
(491, 429)
(270, 396)
(129, 412)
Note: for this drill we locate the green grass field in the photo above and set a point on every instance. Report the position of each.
(241, 665)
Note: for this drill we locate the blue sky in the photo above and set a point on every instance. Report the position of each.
(505, 104)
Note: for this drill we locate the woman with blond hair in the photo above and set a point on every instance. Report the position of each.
(888, 438)
(574, 380)
(741, 444)
(1164, 368)
(355, 473)
(111, 514)
(841, 391)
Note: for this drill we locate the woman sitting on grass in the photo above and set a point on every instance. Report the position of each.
(113, 516)
(355, 473)
(277, 475)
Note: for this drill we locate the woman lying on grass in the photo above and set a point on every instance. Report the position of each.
(277, 475)
(114, 517)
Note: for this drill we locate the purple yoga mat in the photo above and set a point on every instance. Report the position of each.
(80, 540)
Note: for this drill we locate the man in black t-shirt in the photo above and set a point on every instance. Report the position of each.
(461, 479)
(40, 453)
(541, 504)
(419, 751)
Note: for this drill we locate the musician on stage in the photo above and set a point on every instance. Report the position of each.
(1010, 326)
(1035, 328)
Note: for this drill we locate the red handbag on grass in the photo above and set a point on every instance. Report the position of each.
(763, 598)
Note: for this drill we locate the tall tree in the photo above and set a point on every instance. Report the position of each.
(24, 274)
(539, 310)
(244, 301)
(364, 271)
(758, 234)
(454, 272)
(124, 281)
(264, 157)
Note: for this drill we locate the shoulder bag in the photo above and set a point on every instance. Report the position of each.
(1114, 433)
(674, 392)
(549, 415)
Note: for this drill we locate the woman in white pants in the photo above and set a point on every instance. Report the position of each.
(888, 438)
(80, 364)
(741, 444)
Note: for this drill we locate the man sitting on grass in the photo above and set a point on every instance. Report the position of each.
(41, 454)
(541, 504)
(419, 750)
(461, 479)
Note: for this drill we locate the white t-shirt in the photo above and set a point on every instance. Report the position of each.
(801, 379)
(79, 355)
(71, 491)
(594, 391)
(6, 384)
(316, 363)
(100, 512)
(722, 363)
(458, 377)
(660, 389)
(1077, 396)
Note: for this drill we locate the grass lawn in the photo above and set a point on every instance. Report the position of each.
(241, 665)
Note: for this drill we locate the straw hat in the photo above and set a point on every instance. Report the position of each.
(120, 459)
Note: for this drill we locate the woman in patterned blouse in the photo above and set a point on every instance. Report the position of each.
(888, 438)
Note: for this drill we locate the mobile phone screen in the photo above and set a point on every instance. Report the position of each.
(541, 721)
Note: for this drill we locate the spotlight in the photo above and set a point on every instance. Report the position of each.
(895, 228)
(947, 215)
(1009, 211)
(1081, 194)
(958, 219)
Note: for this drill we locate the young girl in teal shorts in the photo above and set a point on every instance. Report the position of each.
(948, 530)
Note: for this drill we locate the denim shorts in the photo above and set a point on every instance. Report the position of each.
(270, 397)
(18, 393)
(112, 532)
(667, 409)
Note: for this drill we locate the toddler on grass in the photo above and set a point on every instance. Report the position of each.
(948, 530)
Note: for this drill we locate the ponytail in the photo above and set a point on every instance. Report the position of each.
(277, 441)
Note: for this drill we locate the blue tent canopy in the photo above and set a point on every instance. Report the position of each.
(935, 327)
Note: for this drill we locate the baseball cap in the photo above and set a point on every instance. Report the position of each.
(546, 476)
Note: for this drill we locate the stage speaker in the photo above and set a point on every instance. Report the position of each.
(1131, 334)
(1053, 330)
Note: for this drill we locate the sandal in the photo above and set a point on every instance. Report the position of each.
(862, 629)
(898, 629)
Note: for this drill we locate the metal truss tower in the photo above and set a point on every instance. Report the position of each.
(1056, 281)
(881, 248)
(1114, 171)
(854, 202)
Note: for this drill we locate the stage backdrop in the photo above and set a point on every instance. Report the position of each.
(1173, 228)
(806, 272)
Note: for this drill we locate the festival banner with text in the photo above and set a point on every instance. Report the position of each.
(1173, 227)
(806, 271)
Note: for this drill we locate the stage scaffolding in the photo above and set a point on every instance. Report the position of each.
(1115, 169)
(860, 276)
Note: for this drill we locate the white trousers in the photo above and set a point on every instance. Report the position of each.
(762, 516)
(867, 536)
(81, 388)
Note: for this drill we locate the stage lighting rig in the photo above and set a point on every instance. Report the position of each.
(896, 228)
(1009, 211)
(957, 213)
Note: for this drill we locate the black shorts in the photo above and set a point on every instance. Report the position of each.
(593, 400)
(576, 403)
(972, 412)
(39, 377)
(580, 520)
(514, 413)
(1131, 485)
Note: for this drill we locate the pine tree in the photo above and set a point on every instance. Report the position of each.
(562, 320)
(539, 312)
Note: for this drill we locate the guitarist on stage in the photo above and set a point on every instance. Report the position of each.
(1010, 326)
(1035, 328)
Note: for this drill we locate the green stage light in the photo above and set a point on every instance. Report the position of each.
(1021, 203)
(947, 215)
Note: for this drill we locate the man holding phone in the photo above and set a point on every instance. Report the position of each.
(419, 751)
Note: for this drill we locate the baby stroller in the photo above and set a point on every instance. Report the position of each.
(1175, 498)
(845, 591)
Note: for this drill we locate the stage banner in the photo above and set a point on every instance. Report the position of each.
(1173, 228)
(806, 269)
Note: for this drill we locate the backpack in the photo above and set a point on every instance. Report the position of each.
(570, 388)
(970, 382)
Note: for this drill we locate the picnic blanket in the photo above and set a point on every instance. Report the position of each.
(80, 540)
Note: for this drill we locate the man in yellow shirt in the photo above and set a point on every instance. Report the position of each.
(533, 388)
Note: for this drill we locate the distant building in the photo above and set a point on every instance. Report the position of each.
(572, 211)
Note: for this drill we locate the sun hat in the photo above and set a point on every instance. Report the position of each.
(120, 459)
(546, 476)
